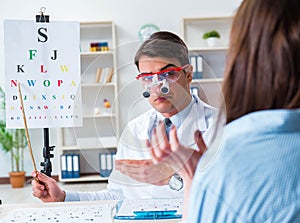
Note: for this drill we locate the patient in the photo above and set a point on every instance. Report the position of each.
(254, 174)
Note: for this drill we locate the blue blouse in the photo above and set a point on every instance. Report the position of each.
(254, 174)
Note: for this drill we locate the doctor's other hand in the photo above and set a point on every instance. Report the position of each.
(182, 159)
(46, 188)
(145, 171)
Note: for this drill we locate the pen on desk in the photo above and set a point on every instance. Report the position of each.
(156, 214)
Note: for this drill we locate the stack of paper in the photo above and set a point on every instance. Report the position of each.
(75, 214)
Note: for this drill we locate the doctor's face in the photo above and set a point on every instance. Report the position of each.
(179, 91)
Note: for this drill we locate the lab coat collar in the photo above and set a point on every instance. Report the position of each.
(187, 121)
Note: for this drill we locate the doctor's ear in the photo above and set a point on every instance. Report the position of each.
(189, 72)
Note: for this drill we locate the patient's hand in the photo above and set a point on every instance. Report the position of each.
(145, 171)
(181, 159)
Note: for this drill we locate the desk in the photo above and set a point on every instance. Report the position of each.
(5, 209)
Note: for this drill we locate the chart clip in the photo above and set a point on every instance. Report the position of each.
(42, 17)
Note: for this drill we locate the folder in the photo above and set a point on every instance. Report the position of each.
(146, 209)
(103, 168)
(197, 63)
(109, 162)
(76, 165)
(98, 74)
(200, 64)
(69, 165)
(106, 161)
(106, 75)
(63, 164)
(194, 91)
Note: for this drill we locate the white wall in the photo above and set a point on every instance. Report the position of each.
(128, 16)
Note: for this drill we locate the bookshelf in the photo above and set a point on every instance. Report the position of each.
(213, 58)
(100, 128)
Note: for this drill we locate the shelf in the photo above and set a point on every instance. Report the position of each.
(110, 115)
(95, 177)
(95, 54)
(102, 31)
(194, 28)
(210, 49)
(207, 80)
(92, 143)
(100, 126)
(207, 19)
(76, 148)
(97, 85)
(102, 142)
(213, 59)
(209, 90)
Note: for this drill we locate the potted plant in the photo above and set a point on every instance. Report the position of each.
(211, 37)
(13, 141)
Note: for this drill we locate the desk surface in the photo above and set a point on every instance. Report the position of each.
(6, 209)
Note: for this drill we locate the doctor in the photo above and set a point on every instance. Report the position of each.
(165, 73)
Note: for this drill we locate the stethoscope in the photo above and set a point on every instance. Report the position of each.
(165, 89)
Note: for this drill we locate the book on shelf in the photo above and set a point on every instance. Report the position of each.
(195, 90)
(106, 162)
(197, 63)
(70, 165)
(104, 75)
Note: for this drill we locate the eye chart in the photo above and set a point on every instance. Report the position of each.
(44, 58)
(71, 214)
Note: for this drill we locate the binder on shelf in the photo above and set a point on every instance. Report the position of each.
(110, 75)
(76, 166)
(195, 91)
(104, 75)
(109, 162)
(147, 209)
(197, 63)
(70, 166)
(63, 164)
(106, 162)
(98, 74)
(113, 158)
(103, 169)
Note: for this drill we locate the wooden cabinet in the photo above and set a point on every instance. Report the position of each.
(212, 58)
(100, 128)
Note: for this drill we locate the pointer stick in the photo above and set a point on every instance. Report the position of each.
(26, 129)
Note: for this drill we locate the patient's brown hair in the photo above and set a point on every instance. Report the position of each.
(263, 62)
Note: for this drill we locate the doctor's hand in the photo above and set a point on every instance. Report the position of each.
(145, 171)
(46, 188)
(182, 159)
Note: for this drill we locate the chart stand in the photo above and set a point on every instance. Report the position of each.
(46, 154)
